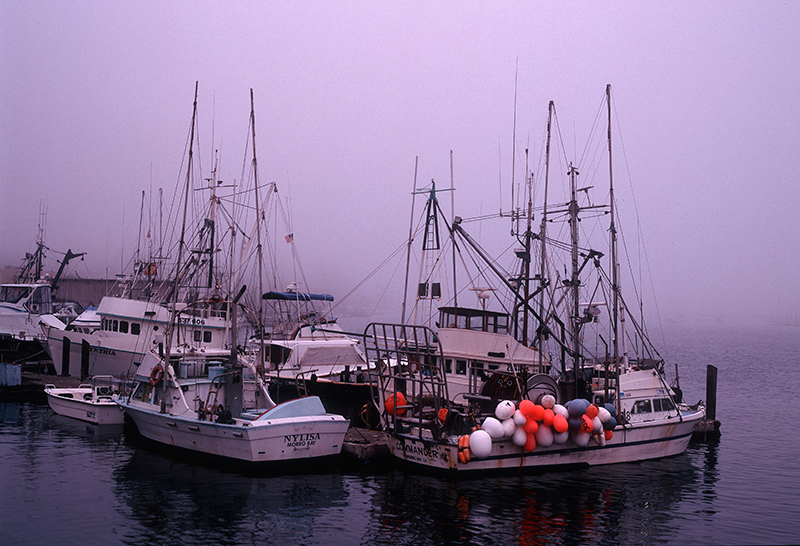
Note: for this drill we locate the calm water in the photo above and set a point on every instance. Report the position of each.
(63, 482)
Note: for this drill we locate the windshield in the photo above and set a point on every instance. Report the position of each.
(13, 294)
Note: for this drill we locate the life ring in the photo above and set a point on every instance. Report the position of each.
(463, 449)
(156, 374)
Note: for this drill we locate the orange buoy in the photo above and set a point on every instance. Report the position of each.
(591, 411)
(442, 415)
(526, 407)
(530, 445)
(547, 420)
(586, 424)
(463, 449)
(531, 426)
(560, 424)
(391, 402)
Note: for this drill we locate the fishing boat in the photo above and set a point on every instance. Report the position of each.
(576, 389)
(135, 312)
(27, 304)
(310, 354)
(93, 402)
(202, 409)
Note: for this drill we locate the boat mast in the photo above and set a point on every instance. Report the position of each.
(543, 235)
(615, 288)
(452, 240)
(526, 259)
(181, 245)
(259, 250)
(575, 280)
(410, 242)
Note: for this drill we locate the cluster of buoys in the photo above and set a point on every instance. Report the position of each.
(542, 424)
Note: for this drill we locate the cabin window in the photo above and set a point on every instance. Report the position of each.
(135, 328)
(123, 326)
(142, 392)
(502, 325)
(207, 337)
(461, 367)
(278, 354)
(197, 336)
(662, 404)
(448, 365)
(13, 294)
(114, 326)
(642, 406)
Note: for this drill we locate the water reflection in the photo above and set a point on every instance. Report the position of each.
(630, 504)
(202, 504)
(137, 495)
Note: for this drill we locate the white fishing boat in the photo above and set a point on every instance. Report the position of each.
(312, 355)
(574, 388)
(195, 413)
(129, 328)
(93, 402)
(26, 305)
(202, 409)
(126, 323)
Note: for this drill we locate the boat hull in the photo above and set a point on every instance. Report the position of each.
(98, 412)
(103, 359)
(279, 440)
(629, 444)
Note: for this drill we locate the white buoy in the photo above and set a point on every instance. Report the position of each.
(561, 410)
(597, 425)
(519, 437)
(603, 414)
(548, 401)
(544, 436)
(561, 438)
(480, 444)
(505, 409)
(581, 439)
(493, 427)
(508, 427)
(519, 418)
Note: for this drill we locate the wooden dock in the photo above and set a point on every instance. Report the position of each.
(364, 446)
(32, 386)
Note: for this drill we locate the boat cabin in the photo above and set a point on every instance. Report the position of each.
(35, 298)
(473, 319)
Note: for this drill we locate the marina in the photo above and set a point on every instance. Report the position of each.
(142, 492)
(399, 274)
(518, 384)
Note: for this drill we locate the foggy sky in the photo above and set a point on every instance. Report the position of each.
(96, 101)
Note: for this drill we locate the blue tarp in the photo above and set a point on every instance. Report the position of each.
(296, 296)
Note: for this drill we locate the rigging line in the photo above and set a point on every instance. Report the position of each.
(560, 138)
(642, 246)
(592, 131)
(647, 345)
(372, 274)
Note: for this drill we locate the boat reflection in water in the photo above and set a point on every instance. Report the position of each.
(621, 505)
(205, 504)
